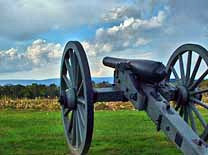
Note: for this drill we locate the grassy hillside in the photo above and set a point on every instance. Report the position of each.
(41, 133)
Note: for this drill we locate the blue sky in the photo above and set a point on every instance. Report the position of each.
(33, 33)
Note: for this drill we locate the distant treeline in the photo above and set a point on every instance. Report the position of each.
(29, 91)
(36, 90)
(51, 91)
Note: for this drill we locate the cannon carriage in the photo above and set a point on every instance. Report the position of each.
(170, 99)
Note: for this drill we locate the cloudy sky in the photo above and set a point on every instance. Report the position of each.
(33, 33)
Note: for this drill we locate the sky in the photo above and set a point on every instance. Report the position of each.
(33, 33)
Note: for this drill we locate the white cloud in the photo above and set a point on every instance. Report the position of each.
(39, 54)
(122, 12)
(141, 41)
(23, 19)
(130, 33)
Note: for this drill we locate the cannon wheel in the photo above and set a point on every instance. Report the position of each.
(188, 77)
(76, 98)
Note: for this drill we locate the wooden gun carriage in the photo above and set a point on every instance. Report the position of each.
(172, 100)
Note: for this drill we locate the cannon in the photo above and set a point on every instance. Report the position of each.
(171, 95)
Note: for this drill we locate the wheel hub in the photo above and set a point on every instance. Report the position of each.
(69, 98)
(183, 95)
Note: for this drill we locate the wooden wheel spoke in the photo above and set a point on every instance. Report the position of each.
(66, 112)
(81, 100)
(67, 81)
(198, 81)
(196, 67)
(188, 67)
(182, 68)
(74, 63)
(81, 114)
(69, 123)
(181, 111)
(77, 131)
(80, 126)
(175, 74)
(74, 134)
(191, 118)
(66, 123)
(79, 88)
(199, 116)
(195, 100)
(69, 69)
(186, 113)
(199, 92)
(77, 76)
(204, 135)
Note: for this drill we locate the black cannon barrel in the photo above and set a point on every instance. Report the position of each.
(112, 62)
(148, 70)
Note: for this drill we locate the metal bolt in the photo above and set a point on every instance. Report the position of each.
(168, 107)
(159, 121)
(200, 143)
(133, 96)
(167, 128)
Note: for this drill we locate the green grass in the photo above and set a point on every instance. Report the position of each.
(115, 133)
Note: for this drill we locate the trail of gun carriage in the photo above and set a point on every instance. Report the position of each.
(149, 109)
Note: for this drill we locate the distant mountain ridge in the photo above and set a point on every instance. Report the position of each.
(47, 82)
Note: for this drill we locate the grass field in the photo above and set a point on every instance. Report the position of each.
(115, 133)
